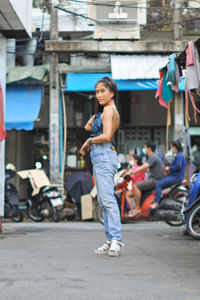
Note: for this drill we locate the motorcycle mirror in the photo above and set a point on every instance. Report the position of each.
(193, 178)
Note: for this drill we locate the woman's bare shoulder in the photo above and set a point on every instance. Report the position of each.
(108, 110)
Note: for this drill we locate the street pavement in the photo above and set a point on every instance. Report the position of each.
(56, 261)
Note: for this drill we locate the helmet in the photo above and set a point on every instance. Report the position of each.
(10, 169)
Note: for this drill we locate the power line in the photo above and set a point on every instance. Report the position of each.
(147, 25)
(42, 27)
(91, 19)
(135, 6)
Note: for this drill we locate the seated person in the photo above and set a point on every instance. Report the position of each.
(176, 172)
(134, 178)
(156, 172)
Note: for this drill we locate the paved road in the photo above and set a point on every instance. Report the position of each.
(56, 261)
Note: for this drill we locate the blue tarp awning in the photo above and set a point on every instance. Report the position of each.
(22, 106)
(85, 82)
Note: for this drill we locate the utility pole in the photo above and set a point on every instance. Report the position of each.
(54, 103)
(178, 17)
(178, 98)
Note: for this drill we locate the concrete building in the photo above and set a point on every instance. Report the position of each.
(90, 48)
(15, 22)
(122, 29)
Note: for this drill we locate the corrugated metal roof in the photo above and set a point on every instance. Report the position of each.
(137, 66)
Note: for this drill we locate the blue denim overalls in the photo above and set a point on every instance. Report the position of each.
(104, 161)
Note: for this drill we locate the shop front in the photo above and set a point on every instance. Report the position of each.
(141, 116)
(23, 103)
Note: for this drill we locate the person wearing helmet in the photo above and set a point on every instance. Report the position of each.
(176, 172)
(10, 169)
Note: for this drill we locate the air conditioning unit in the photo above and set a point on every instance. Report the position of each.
(117, 19)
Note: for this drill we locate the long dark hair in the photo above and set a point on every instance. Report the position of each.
(177, 144)
(111, 85)
(138, 158)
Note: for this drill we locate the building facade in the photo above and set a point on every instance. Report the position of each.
(89, 36)
(15, 22)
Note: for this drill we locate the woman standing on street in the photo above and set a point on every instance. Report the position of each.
(103, 126)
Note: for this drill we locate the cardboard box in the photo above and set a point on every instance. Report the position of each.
(93, 192)
(86, 207)
(37, 178)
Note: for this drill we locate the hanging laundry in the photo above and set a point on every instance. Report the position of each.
(171, 74)
(175, 87)
(2, 123)
(178, 72)
(189, 54)
(167, 93)
(159, 94)
(192, 77)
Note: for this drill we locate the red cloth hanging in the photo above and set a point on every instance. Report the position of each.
(2, 123)
(189, 54)
(187, 105)
(159, 94)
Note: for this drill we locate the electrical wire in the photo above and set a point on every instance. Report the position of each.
(147, 25)
(91, 19)
(110, 27)
(42, 27)
(134, 6)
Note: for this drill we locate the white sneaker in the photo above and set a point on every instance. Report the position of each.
(103, 249)
(115, 248)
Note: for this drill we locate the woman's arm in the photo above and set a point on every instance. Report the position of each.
(176, 164)
(142, 168)
(89, 123)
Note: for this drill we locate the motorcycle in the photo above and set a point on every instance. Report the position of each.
(169, 210)
(44, 199)
(192, 210)
(11, 208)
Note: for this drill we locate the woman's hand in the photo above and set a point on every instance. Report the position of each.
(167, 169)
(126, 173)
(85, 147)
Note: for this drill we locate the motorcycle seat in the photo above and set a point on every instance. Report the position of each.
(46, 188)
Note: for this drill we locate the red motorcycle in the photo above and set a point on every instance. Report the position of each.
(170, 208)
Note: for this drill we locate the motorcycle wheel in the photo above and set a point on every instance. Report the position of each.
(55, 214)
(18, 218)
(99, 212)
(33, 213)
(179, 222)
(193, 222)
(175, 223)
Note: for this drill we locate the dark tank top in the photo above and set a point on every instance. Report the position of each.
(97, 126)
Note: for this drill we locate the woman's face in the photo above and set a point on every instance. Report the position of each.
(174, 149)
(103, 94)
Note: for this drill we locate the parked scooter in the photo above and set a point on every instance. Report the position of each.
(192, 211)
(44, 199)
(11, 208)
(169, 210)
